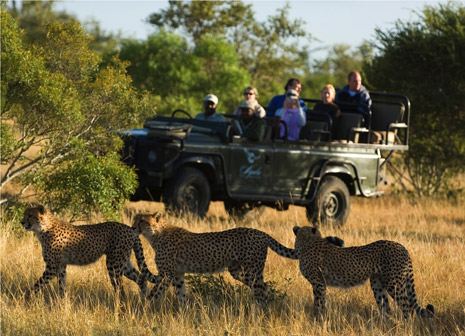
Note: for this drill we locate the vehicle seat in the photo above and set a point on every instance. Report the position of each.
(387, 119)
(318, 127)
(272, 128)
(349, 127)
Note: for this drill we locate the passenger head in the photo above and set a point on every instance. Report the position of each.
(293, 84)
(292, 99)
(209, 103)
(250, 93)
(354, 80)
(328, 94)
(247, 109)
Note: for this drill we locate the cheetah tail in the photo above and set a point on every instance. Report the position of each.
(139, 252)
(427, 312)
(281, 249)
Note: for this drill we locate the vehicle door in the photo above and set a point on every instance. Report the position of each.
(291, 168)
(249, 169)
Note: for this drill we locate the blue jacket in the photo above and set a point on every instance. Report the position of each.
(277, 102)
(361, 99)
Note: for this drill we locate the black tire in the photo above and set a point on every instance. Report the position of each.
(188, 192)
(332, 203)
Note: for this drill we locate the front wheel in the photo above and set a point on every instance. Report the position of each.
(188, 192)
(331, 204)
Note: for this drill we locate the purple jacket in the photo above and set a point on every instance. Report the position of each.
(295, 119)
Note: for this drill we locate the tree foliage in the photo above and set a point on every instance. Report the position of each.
(341, 59)
(180, 75)
(425, 60)
(59, 113)
(269, 52)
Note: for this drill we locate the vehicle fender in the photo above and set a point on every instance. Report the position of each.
(211, 166)
(346, 171)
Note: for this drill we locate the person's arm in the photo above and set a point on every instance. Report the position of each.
(364, 106)
(275, 103)
(302, 120)
(260, 111)
(303, 106)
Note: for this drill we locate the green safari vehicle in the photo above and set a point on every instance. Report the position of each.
(187, 163)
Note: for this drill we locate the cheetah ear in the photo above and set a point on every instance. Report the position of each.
(158, 216)
(136, 219)
(296, 230)
(41, 209)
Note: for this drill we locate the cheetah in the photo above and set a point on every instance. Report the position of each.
(242, 251)
(65, 244)
(386, 263)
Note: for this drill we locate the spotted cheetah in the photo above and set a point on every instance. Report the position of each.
(386, 263)
(65, 244)
(242, 251)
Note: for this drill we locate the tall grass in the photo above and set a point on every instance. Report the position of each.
(433, 232)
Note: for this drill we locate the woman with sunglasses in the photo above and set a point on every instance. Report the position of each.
(251, 95)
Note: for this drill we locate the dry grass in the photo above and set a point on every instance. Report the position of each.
(433, 231)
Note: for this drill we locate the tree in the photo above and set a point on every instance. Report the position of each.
(180, 75)
(58, 116)
(425, 60)
(270, 51)
(34, 16)
(334, 68)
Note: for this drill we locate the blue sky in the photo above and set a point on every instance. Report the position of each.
(331, 22)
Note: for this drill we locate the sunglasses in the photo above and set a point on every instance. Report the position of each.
(248, 93)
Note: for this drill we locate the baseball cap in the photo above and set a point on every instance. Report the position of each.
(212, 98)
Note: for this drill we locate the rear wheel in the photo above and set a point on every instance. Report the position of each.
(331, 204)
(188, 192)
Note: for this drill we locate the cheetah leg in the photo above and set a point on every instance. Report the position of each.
(319, 298)
(131, 273)
(62, 280)
(116, 271)
(255, 281)
(178, 283)
(236, 272)
(399, 293)
(381, 295)
(49, 273)
(160, 285)
(115, 279)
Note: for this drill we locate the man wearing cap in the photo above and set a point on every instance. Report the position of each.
(209, 106)
(253, 126)
(292, 114)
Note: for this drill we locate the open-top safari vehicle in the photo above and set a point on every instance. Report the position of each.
(188, 163)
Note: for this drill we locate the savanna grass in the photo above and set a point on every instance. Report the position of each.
(433, 231)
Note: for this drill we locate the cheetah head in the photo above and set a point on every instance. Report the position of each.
(309, 233)
(34, 218)
(306, 233)
(148, 224)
